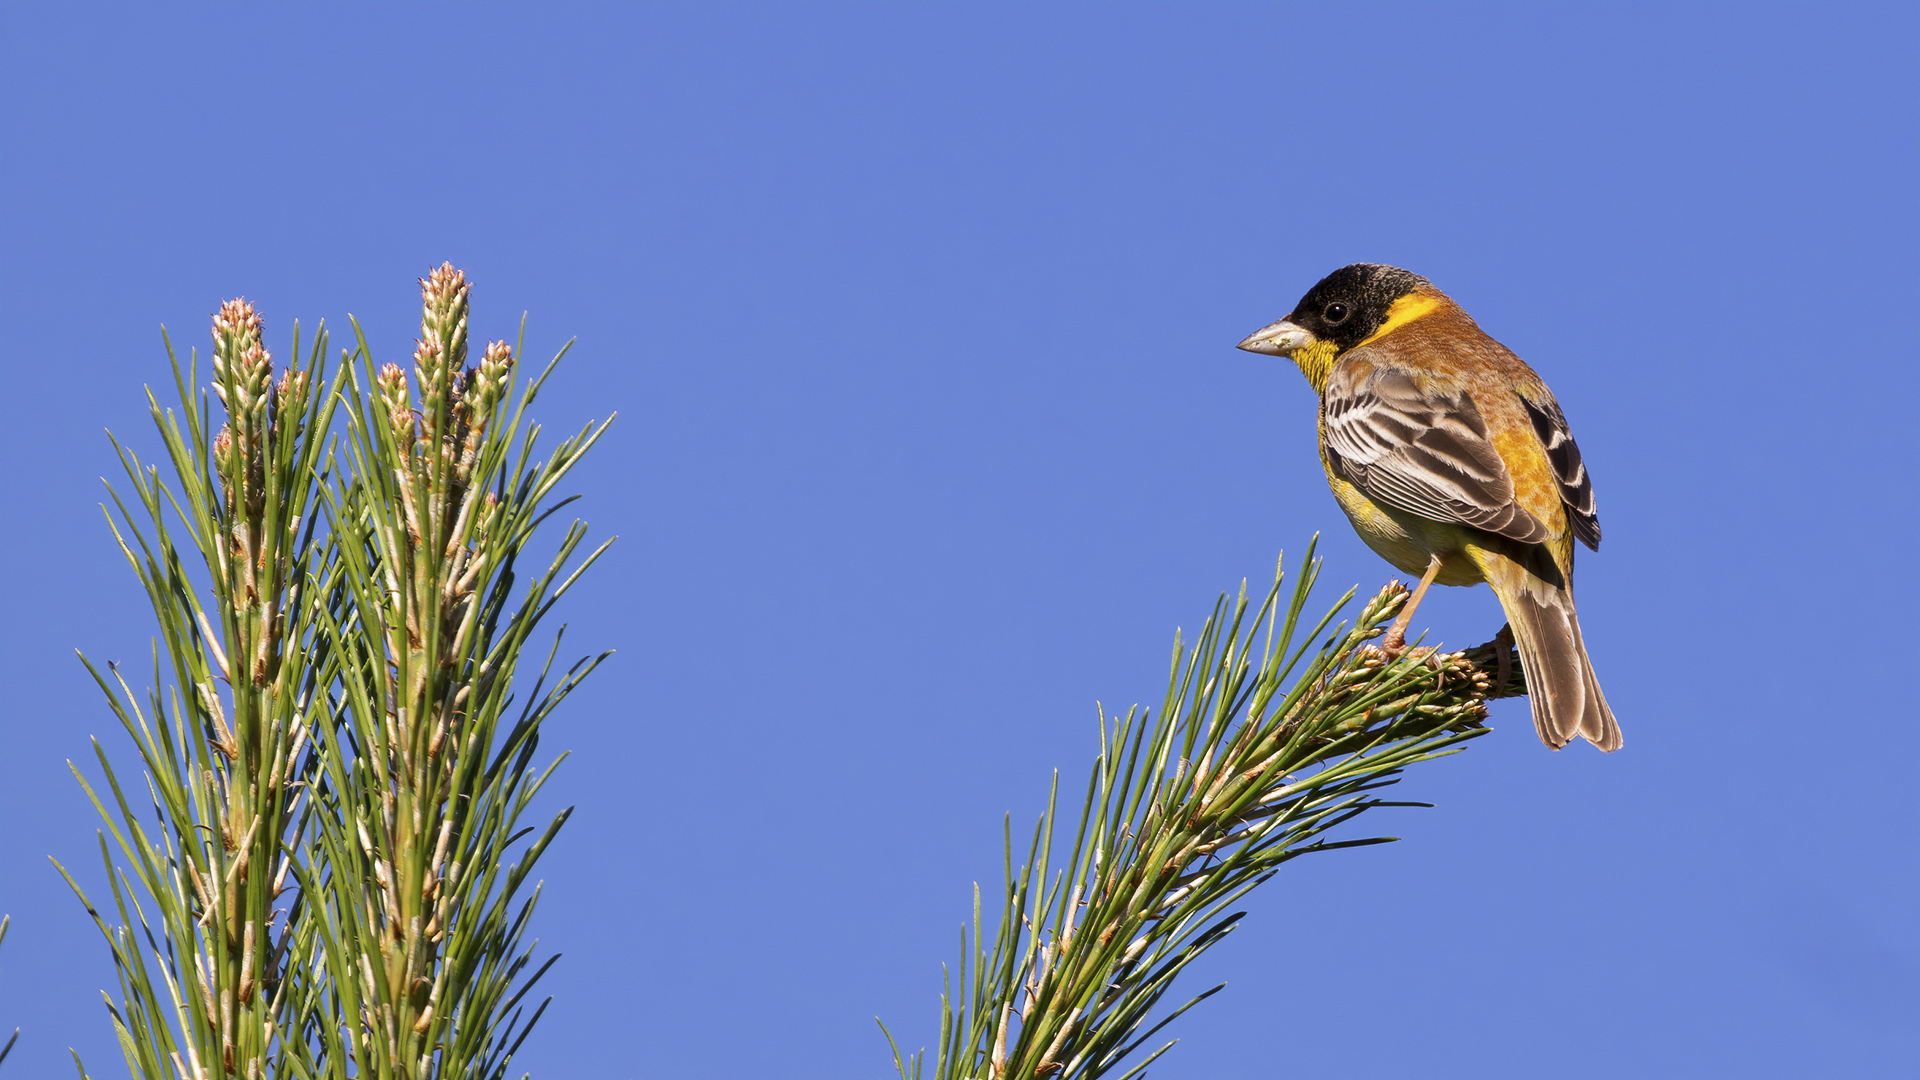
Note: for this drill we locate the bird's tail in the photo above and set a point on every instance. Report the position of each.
(1566, 697)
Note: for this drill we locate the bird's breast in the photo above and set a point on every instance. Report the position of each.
(1405, 540)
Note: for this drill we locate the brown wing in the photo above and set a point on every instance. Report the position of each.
(1423, 452)
(1576, 489)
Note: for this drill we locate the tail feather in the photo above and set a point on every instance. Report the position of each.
(1561, 686)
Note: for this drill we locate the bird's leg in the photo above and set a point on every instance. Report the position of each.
(1503, 655)
(1397, 633)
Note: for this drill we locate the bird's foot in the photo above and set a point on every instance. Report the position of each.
(1503, 654)
(1390, 650)
(1502, 667)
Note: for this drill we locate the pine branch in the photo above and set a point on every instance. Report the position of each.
(222, 731)
(336, 885)
(1184, 814)
(1487, 658)
(425, 773)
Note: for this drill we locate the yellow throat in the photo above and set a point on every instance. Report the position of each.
(1316, 360)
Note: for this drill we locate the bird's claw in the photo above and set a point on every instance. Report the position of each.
(1391, 651)
(1503, 654)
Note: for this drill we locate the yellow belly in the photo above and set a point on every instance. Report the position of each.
(1407, 541)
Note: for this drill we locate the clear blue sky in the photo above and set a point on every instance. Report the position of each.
(919, 321)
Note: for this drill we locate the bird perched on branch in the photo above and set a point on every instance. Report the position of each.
(1454, 462)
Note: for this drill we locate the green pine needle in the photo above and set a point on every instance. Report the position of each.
(1187, 811)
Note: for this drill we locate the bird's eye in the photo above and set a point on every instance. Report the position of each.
(1335, 314)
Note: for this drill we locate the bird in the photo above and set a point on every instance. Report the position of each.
(1454, 462)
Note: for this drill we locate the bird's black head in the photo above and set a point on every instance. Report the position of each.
(1348, 305)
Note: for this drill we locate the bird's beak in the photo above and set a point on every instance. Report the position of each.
(1279, 339)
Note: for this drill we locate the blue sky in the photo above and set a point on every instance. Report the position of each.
(919, 322)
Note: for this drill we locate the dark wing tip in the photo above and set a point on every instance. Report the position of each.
(1587, 528)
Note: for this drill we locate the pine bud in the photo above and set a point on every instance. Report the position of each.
(442, 349)
(292, 390)
(493, 377)
(223, 451)
(237, 352)
(392, 385)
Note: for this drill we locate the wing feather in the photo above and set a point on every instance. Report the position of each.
(1576, 488)
(1423, 452)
